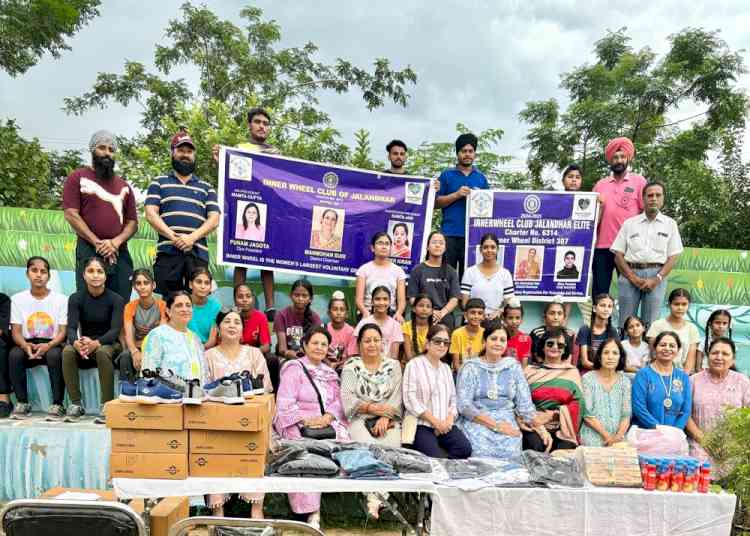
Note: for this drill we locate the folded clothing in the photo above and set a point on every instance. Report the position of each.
(361, 464)
(309, 465)
(402, 460)
(546, 469)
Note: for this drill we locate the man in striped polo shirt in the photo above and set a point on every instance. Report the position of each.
(182, 209)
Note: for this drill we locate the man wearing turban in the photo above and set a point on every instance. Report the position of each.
(100, 207)
(455, 186)
(620, 197)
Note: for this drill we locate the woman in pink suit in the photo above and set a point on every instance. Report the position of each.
(297, 405)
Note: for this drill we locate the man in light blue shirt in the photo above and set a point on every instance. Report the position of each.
(455, 185)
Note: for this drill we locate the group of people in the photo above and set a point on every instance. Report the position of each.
(472, 385)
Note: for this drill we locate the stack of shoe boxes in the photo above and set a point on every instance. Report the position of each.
(229, 440)
(148, 441)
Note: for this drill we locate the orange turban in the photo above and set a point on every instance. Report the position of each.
(619, 144)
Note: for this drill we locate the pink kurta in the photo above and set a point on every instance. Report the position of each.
(297, 401)
(219, 365)
(711, 397)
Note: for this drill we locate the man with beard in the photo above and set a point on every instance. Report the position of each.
(646, 249)
(100, 207)
(183, 209)
(259, 121)
(396, 150)
(620, 197)
(455, 185)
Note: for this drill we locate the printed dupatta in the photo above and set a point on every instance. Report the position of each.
(558, 387)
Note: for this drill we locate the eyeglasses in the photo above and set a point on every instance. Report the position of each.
(552, 344)
(440, 342)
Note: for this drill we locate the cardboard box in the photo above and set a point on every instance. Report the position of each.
(223, 442)
(156, 441)
(104, 495)
(130, 415)
(252, 416)
(165, 514)
(148, 465)
(227, 465)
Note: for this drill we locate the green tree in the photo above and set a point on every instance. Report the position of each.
(31, 177)
(239, 68)
(628, 92)
(362, 148)
(31, 28)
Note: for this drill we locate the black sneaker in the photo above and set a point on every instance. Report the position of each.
(55, 413)
(21, 411)
(5, 409)
(74, 413)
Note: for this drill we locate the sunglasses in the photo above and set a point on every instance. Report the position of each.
(440, 342)
(552, 344)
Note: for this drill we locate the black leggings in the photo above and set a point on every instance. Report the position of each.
(18, 362)
(532, 441)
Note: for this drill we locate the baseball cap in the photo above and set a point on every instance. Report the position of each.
(182, 138)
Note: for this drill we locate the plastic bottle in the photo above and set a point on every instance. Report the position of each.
(649, 482)
(690, 478)
(678, 477)
(704, 483)
(662, 478)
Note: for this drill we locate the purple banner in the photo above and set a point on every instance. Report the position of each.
(546, 239)
(291, 215)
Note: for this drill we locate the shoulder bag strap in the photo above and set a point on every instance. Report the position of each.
(320, 398)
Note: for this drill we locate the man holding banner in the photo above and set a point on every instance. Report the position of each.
(455, 186)
(259, 121)
(396, 150)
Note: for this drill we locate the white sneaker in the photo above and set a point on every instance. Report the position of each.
(314, 520)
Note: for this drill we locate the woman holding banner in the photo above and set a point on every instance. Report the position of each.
(488, 280)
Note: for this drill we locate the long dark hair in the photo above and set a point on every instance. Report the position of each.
(377, 289)
(307, 317)
(417, 299)
(244, 215)
(610, 331)
(711, 318)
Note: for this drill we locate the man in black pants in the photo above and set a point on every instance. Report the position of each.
(5, 387)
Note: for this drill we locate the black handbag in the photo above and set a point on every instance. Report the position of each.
(317, 433)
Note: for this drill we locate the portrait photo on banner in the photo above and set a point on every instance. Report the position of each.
(251, 221)
(528, 263)
(327, 230)
(478, 257)
(401, 234)
(568, 262)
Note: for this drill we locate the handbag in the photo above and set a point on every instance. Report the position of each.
(327, 432)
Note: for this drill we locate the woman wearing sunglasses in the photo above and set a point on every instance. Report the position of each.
(430, 395)
(557, 394)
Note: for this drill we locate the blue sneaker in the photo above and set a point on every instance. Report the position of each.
(128, 390)
(251, 385)
(152, 391)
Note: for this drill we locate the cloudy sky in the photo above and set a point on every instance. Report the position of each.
(477, 62)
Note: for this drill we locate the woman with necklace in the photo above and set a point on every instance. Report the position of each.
(488, 279)
(715, 389)
(491, 391)
(430, 396)
(556, 390)
(227, 358)
(371, 395)
(606, 392)
(661, 391)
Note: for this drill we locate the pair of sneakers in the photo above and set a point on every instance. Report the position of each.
(161, 387)
(22, 410)
(235, 388)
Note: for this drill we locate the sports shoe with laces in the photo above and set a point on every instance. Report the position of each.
(194, 394)
(21, 411)
(155, 391)
(55, 413)
(128, 391)
(74, 413)
(251, 385)
(226, 390)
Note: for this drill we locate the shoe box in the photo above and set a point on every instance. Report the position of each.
(168, 466)
(223, 442)
(133, 416)
(252, 416)
(227, 465)
(150, 441)
(104, 495)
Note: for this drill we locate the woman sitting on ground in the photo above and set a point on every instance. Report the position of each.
(491, 391)
(557, 394)
(430, 396)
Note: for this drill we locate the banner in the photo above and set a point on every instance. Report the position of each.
(546, 239)
(289, 215)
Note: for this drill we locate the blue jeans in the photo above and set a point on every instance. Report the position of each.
(632, 297)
